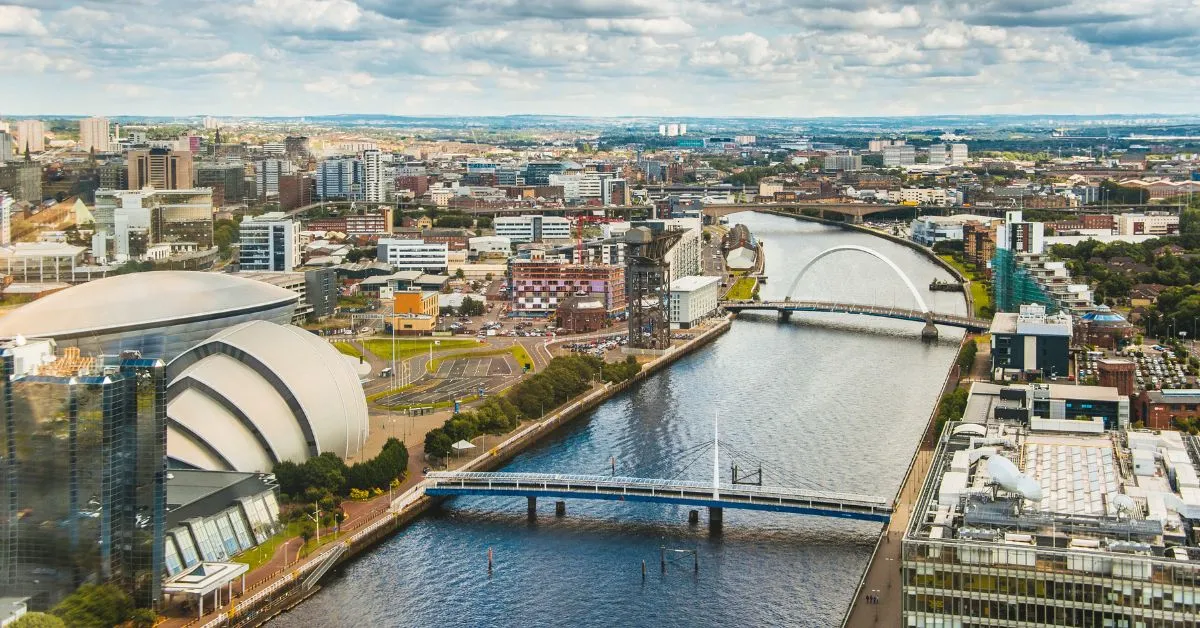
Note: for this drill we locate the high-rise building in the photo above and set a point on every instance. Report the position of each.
(372, 176)
(538, 172)
(136, 219)
(159, 168)
(269, 242)
(266, 176)
(6, 147)
(6, 203)
(227, 180)
(847, 161)
(31, 135)
(296, 190)
(340, 178)
(22, 180)
(948, 155)
(85, 477)
(93, 135)
(296, 146)
(899, 155)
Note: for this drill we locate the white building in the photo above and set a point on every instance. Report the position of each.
(692, 299)
(441, 196)
(614, 229)
(923, 196)
(414, 254)
(488, 245)
(684, 257)
(570, 184)
(93, 135)
(6, 147)
(948, 155)
(266, 176)
(274, 148)
(153, 216)
(899, 156)
(373, 191)
(31, 134)
(6, 203)
(533, 228)
(1147, 224)
(269, 242)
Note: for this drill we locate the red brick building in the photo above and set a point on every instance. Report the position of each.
(539, 286)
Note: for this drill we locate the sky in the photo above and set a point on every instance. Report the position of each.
(787, 58)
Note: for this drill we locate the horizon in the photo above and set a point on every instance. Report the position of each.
(691, 58)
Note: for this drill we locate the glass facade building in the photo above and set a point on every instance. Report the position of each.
(83, 475)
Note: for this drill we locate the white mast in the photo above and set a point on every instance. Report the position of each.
(716, 459)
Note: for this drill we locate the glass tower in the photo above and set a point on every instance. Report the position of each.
(82, 464)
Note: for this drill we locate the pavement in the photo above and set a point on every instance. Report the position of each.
(883, 574)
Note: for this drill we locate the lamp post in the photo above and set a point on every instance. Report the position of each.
(317, 520)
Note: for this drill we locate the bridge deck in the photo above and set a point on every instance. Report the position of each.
(949, 320)
(659, 491)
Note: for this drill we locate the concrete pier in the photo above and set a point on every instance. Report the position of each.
(532, 507)
(560, 508)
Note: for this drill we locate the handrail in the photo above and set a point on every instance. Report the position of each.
(442, 478)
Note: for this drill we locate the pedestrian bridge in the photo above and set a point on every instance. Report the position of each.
(683, 493)
(786, 307)
(921, 313)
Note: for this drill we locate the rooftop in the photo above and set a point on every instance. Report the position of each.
(692, 283)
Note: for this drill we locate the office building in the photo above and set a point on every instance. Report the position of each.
(693, 299)
(683, 257)
(258, 393)
(317, 289)
(6, 147)
(487, 246)
(538, 172)
(373, 175)
(269, 242)
(6, 207)
(93, 135)
(84, 473)
(130, 221)
(1155, 224)
(532, 228)
(296, 191)
(1052, 522)
(227, 181)
(403, 254)
(115, 176)
(340, 179)
(1167, 409)
(877, 145)
(372, 224)
(1031, 343)
(274, 148)
(296, 146)
(539, 286)
(266, 176)
(31, 136)
(899, 156)
(159, 168)
(22, 180)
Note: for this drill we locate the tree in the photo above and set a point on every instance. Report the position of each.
(459, 274)
(470, 307)
(98, 606)
(38, 620)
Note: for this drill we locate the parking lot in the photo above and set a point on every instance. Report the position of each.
(457, 379)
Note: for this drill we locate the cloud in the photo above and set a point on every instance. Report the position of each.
(599, 57)
(16, 20)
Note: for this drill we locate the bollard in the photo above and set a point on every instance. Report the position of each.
(560, 508)
(693, 517)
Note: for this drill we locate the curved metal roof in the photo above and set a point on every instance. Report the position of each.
(1102, 315)
(139, 300)
(277, 390)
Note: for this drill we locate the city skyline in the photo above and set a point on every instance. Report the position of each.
(691, 58)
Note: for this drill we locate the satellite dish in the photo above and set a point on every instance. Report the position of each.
(1005, 473)
(1124, 503)
(19, 340)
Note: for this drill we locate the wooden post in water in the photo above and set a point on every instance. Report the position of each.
(489, 561)
(662, 558)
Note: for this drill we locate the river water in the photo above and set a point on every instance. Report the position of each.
(834, 402)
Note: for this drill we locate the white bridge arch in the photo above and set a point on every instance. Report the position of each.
(861, 249)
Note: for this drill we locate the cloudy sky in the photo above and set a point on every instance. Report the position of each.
(598, 57)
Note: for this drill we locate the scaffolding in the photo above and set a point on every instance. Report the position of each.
(1013, 285)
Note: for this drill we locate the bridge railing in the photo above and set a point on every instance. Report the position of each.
(543, 480)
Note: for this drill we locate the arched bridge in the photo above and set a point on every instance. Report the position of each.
(921, 314)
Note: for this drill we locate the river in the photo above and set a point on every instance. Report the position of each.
(825, 401)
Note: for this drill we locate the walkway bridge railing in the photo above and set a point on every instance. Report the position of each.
(740, 496)
(949, 320)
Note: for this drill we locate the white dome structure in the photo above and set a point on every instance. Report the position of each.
(159, 313)
(259, 393)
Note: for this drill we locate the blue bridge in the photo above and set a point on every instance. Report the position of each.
(683, 493)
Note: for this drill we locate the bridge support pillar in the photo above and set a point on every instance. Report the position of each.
(856, 219)
(929, 332)
(532, 507)
(693, 517)
(785, 315)
(716, 515)
(560, 508)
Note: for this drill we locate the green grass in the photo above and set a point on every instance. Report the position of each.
(407, 348)
(347, 349)
(742, 289)
(980, 294)
(256, 556)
